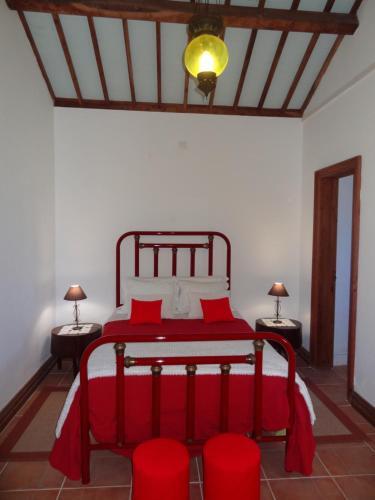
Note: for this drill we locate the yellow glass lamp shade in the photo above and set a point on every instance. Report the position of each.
(206, 53)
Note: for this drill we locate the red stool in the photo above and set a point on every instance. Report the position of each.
(161, 470)
(231, 468)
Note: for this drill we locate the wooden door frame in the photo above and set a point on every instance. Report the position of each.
(331, 175)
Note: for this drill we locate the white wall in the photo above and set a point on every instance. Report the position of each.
(341, 130)
(26, 210)
(343, 266)
(120, 171)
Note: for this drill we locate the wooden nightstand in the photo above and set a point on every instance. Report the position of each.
(291, 333)
(72, 345)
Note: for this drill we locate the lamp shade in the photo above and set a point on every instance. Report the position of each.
(75, 292)
(204, 53)
(278, 290)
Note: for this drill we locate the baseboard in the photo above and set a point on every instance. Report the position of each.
(305, 354)
(8, 412)
(364, 407)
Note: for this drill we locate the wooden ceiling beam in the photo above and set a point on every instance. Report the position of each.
(158, 60)
(246, 62)
(68, 58)
(176, 108)
(181, 12)
(276, 59)
(306, 58)
(125, 28)
(98, 58)
(328, 60)
(36, 54)
(322, 72)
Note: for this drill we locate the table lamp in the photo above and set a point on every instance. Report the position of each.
(75, 293)
(278, 290)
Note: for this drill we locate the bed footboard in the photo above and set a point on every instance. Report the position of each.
(190, 363)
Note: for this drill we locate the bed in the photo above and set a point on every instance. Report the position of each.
(183, 378)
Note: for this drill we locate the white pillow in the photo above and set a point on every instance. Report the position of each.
(203, 285)
(150, 286)
(166, 306)
(195, 302)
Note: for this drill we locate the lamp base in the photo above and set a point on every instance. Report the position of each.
(276, 321)
(206, 82)
(77, 328)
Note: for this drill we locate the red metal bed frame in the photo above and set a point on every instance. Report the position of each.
(156, 365)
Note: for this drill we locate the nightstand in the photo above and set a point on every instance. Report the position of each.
(291, 333)
(72, 345)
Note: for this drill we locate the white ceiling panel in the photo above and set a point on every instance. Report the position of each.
(278, 4)
(260, 63)
(343, 6)
(173, 42)
(237, 40)
(294, 50)
(142, 36)
(111, 43)
(312, 5)
(313, 67)
(245, 3)
(78, 38)
(44, 33)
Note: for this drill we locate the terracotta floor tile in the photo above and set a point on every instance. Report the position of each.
(358, 419)
(305, 489)
(120, 493)
(67, 380)
(200, 467)
(335, 392)
(28, 403)
(348, 459)
(24, 475)
(52, 379)
(341, 371)
(10, 426)
(195, 492)
(321, 376)
(107, 471)
(366, 427)
(29, 495)
(265, 492)
(194, 476)
(357, 488)
(273, 465)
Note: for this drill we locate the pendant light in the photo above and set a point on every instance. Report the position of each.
(206, 55)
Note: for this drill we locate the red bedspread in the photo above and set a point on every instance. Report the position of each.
(66, 453)
(182, 329)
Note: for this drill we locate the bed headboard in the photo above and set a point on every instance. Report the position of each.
(173, 248)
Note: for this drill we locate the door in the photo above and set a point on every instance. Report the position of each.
(323, 280)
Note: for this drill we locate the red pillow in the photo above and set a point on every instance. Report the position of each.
(145, 311)
(215, 310)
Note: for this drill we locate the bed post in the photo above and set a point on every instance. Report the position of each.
(224, 397)
(85, 426)
(190, 402)
(120, 417)
(258, 389)
(156, 372)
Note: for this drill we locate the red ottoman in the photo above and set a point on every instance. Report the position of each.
(161, 470)
(231, 468)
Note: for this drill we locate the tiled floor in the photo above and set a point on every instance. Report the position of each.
(340, 471)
